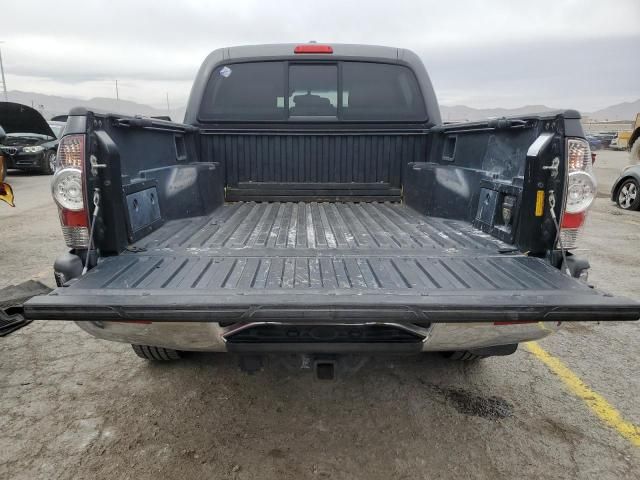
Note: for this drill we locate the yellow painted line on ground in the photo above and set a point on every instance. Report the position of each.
(596, 402)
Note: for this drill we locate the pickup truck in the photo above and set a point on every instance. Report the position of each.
(313, 204)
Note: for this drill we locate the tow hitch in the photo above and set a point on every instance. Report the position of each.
(330, 367)
(324, 367)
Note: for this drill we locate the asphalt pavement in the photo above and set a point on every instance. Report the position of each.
(75, 407)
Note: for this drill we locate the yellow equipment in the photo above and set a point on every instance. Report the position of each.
(6, 192)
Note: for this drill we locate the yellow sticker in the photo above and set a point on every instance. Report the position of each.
(539, 203)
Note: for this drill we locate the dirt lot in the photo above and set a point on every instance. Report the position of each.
(75, 407)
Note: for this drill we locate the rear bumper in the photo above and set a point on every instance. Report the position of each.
(210, 337)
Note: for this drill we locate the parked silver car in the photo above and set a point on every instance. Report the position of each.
(625, 190)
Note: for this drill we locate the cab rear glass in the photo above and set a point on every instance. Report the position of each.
(327, 91)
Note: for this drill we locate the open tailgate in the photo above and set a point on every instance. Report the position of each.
(329, 287)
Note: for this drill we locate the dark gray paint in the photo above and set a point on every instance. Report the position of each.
(144, 208)
(346, 160)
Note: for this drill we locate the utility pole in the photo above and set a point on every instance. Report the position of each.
(4, 82)
(117, 95)
(168, 107)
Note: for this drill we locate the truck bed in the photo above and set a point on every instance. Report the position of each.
(346, 246)
(324, 261)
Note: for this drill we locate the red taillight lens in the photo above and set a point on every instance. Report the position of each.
(313, 48)
(67, 187)
(573, 220)
(581, 191)
(73, 219)
(75, 228)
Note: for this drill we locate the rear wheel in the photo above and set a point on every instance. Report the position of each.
(156, 353)
(628, 197)
(462, 356)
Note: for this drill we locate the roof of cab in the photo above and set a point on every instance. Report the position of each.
(286, 50)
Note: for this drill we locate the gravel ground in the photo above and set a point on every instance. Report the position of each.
(76, 407)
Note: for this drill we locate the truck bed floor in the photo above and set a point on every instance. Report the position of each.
(340, 227)
(323, 246)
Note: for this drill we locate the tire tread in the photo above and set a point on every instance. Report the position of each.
(159, 354)
(463, 356)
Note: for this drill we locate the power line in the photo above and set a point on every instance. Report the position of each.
(4, 82)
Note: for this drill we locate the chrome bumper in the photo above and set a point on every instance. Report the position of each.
(210, 337)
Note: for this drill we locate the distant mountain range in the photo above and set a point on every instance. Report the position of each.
(51, 105)
(621, 111)
(456, 113)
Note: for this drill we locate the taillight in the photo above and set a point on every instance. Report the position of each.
(313, 48)
(67, 187)
(581, 191)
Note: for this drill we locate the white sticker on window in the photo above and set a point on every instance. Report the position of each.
(225, 72)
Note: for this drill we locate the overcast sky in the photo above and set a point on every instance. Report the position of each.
(561, 53)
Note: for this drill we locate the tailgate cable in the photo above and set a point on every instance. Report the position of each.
(552, 206)
(96, 209)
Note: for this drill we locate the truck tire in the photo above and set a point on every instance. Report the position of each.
(634, 154)
(480, 353)
(628, 194)
(462, 356)
(156, 353)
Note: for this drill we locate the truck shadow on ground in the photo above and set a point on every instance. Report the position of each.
(279, 378)
(279, 418)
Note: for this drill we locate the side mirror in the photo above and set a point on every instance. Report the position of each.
(3, 134)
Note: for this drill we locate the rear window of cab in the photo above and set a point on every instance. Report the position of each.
(328, 91)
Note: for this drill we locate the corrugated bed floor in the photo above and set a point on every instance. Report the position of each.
(341, 227)
(326, 246)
